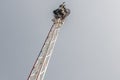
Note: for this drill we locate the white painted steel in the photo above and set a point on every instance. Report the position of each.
(41, 63)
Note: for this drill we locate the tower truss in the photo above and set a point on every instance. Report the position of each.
(39, 68)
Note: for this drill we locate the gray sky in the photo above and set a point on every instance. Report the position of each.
(88, 46)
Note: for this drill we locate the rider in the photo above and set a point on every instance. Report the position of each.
(61, 11)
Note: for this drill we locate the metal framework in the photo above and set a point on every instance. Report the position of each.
(41, 63)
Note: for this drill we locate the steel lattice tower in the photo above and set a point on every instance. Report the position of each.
(41, 63)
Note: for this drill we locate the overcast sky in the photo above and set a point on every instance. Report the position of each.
(88, 46)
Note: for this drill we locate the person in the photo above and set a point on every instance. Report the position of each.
(61, 12)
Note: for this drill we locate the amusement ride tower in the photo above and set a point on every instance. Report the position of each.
(39, 68)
